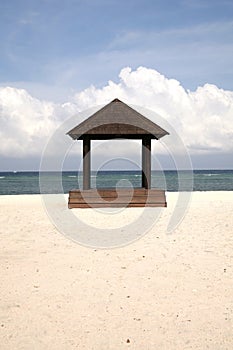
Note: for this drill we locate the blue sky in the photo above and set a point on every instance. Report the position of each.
(64, 53)
(54, 47)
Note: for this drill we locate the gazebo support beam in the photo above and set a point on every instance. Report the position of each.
(146, 162)
(86, 162)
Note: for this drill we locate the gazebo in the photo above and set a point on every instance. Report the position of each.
(117, 120)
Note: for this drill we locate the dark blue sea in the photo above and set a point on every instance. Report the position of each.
(28, 182)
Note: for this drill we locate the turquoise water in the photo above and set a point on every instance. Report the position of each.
(28, 182)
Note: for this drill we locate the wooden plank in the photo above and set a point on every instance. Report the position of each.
(120, 200)
(116, 205)
(124, 199)
(109, 198)
(113, 193)
(114, 136)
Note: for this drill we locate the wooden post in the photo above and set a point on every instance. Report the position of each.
(146, 162)
(86, 162)
(143, 163)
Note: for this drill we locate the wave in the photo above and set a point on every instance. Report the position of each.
(72, 176)
(2, 177)
(210, 174)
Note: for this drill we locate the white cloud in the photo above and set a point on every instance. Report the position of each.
(203, 118)
(26, 122)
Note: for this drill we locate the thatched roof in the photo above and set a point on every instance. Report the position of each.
(117, 120)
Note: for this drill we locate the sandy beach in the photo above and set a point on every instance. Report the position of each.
(161, 292)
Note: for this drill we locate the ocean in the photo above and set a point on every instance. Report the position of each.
(203, 180)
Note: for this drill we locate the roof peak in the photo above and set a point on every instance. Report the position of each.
(116, 100)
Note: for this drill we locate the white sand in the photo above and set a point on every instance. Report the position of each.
(161, 292)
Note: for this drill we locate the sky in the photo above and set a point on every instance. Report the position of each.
(59, 58)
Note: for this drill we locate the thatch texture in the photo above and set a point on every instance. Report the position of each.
(117, 120)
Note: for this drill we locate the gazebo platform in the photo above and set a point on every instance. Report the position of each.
(112, 198)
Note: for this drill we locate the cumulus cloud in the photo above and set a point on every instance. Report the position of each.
(27, 122)
(203, 118)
